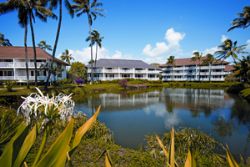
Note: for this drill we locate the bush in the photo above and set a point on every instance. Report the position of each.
(9, 85)
(79, 81)
(123, 83)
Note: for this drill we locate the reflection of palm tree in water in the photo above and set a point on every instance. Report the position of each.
(169, 104)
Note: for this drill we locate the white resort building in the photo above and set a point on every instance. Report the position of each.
(188, 70)
(113, 69)
(12, 64)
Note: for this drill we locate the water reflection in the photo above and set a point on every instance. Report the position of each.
(131, 117)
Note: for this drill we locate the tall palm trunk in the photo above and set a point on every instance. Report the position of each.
(91, 49)
(209, 72)
(26, 54)
(199, 71)
(34, 46)
(96, 55)
(55, 44)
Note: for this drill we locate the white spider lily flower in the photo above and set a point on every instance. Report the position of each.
(36, 105)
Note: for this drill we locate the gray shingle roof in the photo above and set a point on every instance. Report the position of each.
(123, 63)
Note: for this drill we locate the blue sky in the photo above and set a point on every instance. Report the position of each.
(150, 30)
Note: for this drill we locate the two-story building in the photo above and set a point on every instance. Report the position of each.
(113, 69)
(186, 69)
(13, 64)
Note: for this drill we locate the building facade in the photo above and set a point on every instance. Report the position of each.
(13, 65)
(113, 69)
(188, 70)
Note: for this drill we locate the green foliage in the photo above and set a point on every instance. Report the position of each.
(8, 123)
(202, 147)
(246, 92)
(78, 70)
(9, 85)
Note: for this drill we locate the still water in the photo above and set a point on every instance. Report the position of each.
(131, 117)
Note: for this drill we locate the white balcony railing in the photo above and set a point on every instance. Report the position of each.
(6, 64)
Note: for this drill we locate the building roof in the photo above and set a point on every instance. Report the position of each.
(229, 68)
(123, 63)
(18, 52)
(189, 61)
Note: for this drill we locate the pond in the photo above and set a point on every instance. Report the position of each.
(130, 117)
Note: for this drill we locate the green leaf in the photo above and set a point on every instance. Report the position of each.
(26, 146)
(84, 128)
(7, 156)
(57, 153)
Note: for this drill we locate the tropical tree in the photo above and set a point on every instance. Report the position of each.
(95, 39)
(92, 8)
(4, 41)
(197, 56)
(66, 56)
(230, 49)
(27, 10)
(20, 6)
(171, 61)
(209, 60)
(242, 69)
(54, 4)
(243, 21)
(44, 46)
(78, 70)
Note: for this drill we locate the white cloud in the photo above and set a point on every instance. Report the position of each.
(210, 50)
(248, 45)
(159, 49)
(84, 55)
(170, 46)
(173, 37)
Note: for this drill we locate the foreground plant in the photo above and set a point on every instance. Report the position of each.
(40, 113)
(190, 160)
(58, 153)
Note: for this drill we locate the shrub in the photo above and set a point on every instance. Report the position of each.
(79, 81)
(9, 85)
(123, 83)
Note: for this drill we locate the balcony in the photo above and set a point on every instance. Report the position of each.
(6, 64)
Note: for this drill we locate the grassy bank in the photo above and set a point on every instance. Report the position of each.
(115, 87)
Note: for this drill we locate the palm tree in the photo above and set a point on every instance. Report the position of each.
(92, 10)
(243, 69)
(4, 41)
(95, 39)
(209, 60)
(54, 4)
(20, 6)
(66, 56)
(36, 8)
(230, 49)
(243, 21)
(171, 61)
(197, 56)
(44, 46)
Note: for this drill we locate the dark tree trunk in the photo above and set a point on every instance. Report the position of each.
(26, 55)
(96, 55)
(209, 72)
(34, 46)
(55, 44)
(91, 61)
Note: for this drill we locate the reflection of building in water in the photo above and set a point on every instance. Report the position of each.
(113, 101)
(204, 99)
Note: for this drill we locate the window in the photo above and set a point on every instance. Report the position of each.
(138, 76)
(125, 76)
(151, 75)
(32, 73)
